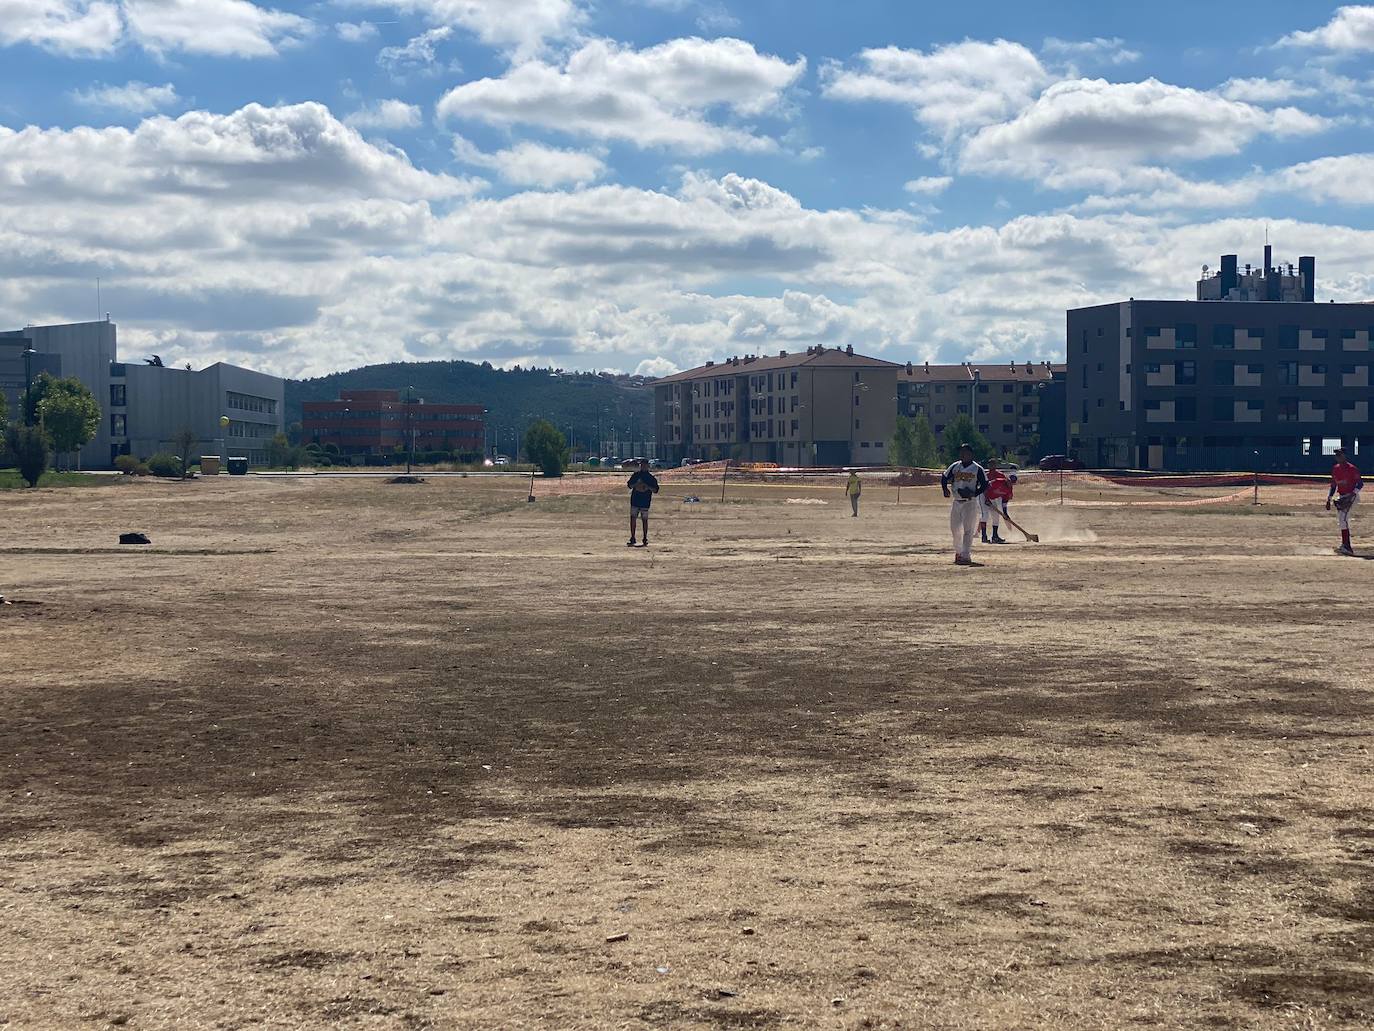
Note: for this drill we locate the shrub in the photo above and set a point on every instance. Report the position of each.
(163, 464)
(28, 446)
(127, 464)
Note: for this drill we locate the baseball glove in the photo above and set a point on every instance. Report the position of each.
(1344, 502)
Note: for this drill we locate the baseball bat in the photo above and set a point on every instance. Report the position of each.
(1034, 538)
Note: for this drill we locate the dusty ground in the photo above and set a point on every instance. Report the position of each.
(344, 754)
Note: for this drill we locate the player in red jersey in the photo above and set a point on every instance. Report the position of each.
(997, 495)
(1345, 488)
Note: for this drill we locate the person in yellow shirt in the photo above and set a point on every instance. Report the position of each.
(852, 489)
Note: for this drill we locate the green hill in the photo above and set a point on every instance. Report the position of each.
(514, 398)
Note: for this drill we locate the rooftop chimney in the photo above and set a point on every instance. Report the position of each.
(849, 349)
(782, 354)
(1307, 268)
(908, 368)
(927, 366)
(709, 364)
(1228, 275)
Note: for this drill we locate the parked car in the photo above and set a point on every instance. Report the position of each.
(693, 461)
(1052, 462)
(502, 460)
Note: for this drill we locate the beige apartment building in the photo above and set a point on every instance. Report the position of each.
(1018, 406)
(823, 406)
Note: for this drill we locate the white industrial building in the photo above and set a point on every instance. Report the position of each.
(145, 407)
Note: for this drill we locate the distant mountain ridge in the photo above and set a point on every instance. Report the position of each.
(513, 397)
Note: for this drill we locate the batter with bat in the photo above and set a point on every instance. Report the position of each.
(1345, 489)
(963, 481)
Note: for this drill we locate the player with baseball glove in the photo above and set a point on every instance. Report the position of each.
(963, 482)
(1345, 489)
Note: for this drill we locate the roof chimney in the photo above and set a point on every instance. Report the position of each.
(849, 349)
(908, 368)
(709, 364)
(927, 365)
(1307, 268)
(782, 354)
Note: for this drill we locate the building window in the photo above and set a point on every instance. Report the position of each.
(1254, 406)
(1099, 367)
(116, 395)
(982, 409)
(1223, 409)
(1099, 402)
(856, 424)
(1287, 410)
(119, 425)
(1185, 334)
(1008, 429)
(939, 409)
(939, 389)
(1224, 374)
(1151, 406)
(1151, 368)
(982, 388)
(1008, 389)
(1185, 372)
(1224, 337)
(1185, 409)
(1288, 338)
(963, 409)
(1288, 374)
(1008, 409)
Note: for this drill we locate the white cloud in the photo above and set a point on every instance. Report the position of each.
(1264, 91)
(78, 27)
(533, 164)
(219, 28)
(656, 367)
(657, 97)
(523, 25)
(1094, 123)
(929, 185)
(418, 53)
(1097, 50)
(356, 32)
(296, 151)
(1351, 29)
(135, 97)
(950, 89)
(385, 114)
(1345, 179)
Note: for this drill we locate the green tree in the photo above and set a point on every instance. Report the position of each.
(546, 448)
(961, 430)
(69, 413)
(4, 410)
(927, 450)
(185, 442)
(902, 447)
(281, 454)
(913, 443)
(28, 446)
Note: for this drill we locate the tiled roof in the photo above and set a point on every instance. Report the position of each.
(1022, 372)
(829, 357)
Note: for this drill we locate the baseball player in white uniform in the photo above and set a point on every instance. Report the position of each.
(964, 482)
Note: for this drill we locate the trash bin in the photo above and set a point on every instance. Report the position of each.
(238, 465)
(209, 465)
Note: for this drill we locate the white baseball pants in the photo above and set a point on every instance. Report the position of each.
(963, 523)
(1343, 518)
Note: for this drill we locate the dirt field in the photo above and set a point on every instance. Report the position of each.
(339, 753)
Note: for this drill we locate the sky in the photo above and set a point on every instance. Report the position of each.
(643, 185)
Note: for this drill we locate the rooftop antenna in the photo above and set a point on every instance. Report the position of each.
(97, 298)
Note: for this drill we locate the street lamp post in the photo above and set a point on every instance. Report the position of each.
(29, 352)
(410, 434)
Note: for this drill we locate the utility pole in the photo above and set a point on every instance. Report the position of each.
(29, 352)
(410, 434)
